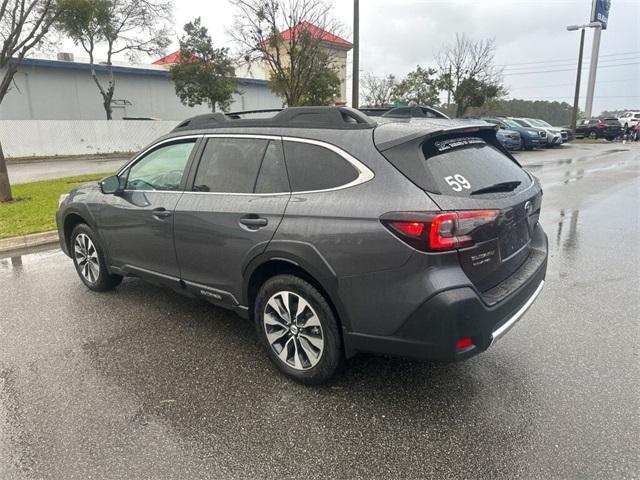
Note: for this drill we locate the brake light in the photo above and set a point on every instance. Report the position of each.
(602, 125)
(438, 231)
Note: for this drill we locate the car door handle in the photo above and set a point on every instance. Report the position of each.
(254, 221)
(161, 212)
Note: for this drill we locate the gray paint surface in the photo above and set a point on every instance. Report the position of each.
(145, 383)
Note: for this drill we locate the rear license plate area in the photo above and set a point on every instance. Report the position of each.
(514, 239)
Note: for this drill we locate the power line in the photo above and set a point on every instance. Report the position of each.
(566, 69)
(568, 64)
(573, 84)
(565, 59)
(582, 96)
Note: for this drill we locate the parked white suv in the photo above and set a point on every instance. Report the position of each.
(629, 120)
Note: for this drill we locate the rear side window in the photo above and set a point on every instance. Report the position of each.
(241, 165)
(312, 167)
(462, 166)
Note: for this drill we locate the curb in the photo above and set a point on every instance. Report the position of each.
(27, 241)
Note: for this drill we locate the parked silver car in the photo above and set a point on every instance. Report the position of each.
(554, 135)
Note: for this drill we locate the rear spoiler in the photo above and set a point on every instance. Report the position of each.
(390, 135)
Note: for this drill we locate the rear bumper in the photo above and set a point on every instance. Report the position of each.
(432, 330)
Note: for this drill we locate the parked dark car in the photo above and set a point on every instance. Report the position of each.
(510, 139)
(530, 138)
(334, 234)
(595, 128)
(403, 112)
(414, 112)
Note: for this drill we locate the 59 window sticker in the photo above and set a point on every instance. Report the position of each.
(457, 182)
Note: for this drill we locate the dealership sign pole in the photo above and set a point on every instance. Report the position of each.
(599, 15)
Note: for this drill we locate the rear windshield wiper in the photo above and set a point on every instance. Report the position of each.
(498, 187)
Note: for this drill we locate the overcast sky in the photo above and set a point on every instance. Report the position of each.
(397, 35)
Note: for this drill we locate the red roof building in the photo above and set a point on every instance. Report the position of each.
(171, 59)
(318, 33)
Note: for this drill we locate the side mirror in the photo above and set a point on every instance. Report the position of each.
(111, 185)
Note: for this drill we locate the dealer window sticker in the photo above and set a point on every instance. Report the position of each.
(444, 145)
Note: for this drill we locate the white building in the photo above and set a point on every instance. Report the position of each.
(46, 89)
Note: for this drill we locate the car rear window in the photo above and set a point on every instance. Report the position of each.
(460, 166)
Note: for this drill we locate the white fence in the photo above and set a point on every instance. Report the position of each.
(29, 138)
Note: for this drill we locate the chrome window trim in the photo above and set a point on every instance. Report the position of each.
(364, 173)
(243, 135)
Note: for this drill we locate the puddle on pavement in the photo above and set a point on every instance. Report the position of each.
(567, 234)
(15, 261)
(573, 176)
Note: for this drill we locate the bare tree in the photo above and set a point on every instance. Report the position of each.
(23, 25)
(295, 61)
(378, 91)
(469, 72)
(121, 26)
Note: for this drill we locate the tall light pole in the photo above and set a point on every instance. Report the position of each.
(599, 20)
(576, 98)
(593, 69)
(355, 77)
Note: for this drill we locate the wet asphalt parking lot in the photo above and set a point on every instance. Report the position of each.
(143, 383)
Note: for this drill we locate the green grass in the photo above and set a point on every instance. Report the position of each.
(34, 206)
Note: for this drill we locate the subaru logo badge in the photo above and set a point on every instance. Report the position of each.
(528, 207)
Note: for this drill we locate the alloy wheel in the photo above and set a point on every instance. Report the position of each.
(293, 330)
(86, 257)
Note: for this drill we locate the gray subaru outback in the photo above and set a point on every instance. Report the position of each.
(333, 233)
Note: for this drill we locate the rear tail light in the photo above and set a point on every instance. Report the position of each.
(464, 344)
(602, 125)
(438, 231)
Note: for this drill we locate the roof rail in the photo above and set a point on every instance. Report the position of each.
(293, 117)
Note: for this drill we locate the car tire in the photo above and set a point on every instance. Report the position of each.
(593, 135)
(88, 258)
(301, 339)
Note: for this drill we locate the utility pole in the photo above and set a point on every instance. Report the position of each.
(449, 89)
(355, 77)
(593, 68)
(576, 98)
